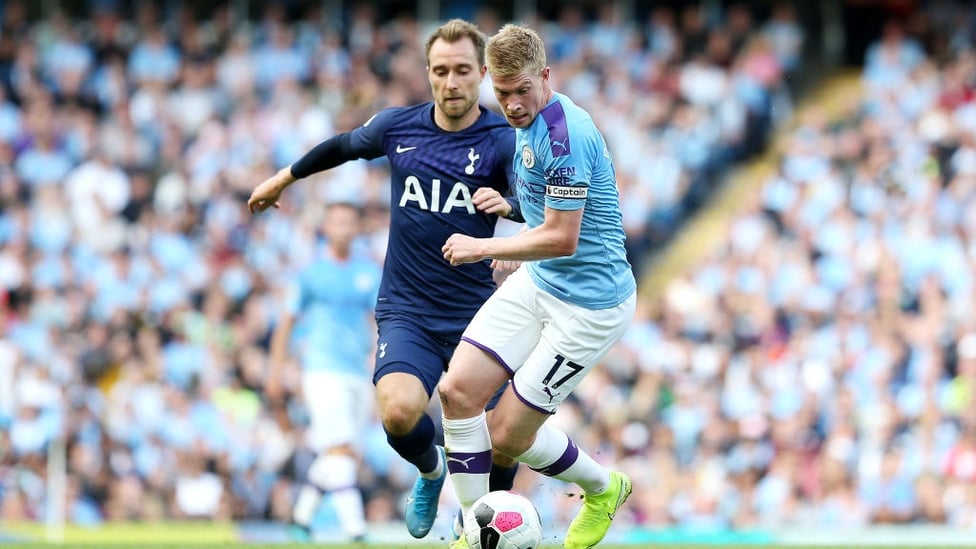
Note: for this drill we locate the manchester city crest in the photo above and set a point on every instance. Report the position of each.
(528, 157)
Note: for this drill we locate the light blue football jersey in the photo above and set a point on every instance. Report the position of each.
(332, 301)
(562, 161)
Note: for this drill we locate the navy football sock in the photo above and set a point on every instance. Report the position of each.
(417, 446)
(502, 478)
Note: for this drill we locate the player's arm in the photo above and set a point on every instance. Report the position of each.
(515, 214)
(502, 171)
(327, 154)
(280, 339)
(557, 236)
(278, 354)
(363, 142)
(489, 200)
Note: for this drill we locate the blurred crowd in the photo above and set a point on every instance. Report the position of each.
(137, 295)
(819, 367)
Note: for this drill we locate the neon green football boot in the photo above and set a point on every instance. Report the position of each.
(596, 515)
(459, 543)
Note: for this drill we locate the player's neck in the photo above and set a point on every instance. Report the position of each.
(340, 254)
(449, 124)
(548, 94)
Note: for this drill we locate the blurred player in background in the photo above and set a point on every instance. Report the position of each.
(557, 316)
(329, 313)
(451, 165)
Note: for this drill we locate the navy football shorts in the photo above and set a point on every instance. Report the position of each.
(407, 345)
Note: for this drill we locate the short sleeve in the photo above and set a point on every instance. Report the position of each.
(567, 177)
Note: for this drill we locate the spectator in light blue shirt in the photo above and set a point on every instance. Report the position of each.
(43, 163)
(153, 59)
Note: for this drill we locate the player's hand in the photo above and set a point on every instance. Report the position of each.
(505, 267)
(272, 390)
(461, 248)
(489, 200)
(267, 193)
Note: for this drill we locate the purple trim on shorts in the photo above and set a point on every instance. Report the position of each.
(322, 490)
(488, 350)
(528, 403)
(564, 462)
(472, 463)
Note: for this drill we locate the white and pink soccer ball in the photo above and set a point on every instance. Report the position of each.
(503, 520)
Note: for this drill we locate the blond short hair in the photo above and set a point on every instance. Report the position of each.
(456, 30)
(515, 49)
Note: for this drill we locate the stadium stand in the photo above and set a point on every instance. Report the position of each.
(816, 368)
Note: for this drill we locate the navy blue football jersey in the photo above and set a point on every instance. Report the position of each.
(434, 173)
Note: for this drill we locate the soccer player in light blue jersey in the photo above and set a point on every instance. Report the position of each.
(450, 172)
(555, 318)
(327, 323)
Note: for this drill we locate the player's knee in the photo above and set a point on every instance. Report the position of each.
(451, 396)
(401, 400)
(400, 416)
(509, 441)
(455, 401)
(344, 449)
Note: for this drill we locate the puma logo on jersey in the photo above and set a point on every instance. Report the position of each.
(400, 149)
(473, 157)
(562, 144)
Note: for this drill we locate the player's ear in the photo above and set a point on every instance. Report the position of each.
(545, 74)
(483, 71)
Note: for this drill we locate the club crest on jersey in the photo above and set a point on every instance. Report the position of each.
(528, 157)
(473, 157)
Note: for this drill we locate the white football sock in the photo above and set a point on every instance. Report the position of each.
(554, 454)
(308, 502)
(335, 474)
(468, 447)
(349, 508)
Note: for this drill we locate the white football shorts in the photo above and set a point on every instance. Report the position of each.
(339, 405)
(548, 344)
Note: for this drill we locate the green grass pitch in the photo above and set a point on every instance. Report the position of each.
(190, 535)
(408, 546)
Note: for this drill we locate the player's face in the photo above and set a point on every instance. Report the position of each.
(522, 96)
(455, 77)
(341, 226)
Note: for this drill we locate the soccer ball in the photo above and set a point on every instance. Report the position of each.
(503, 520)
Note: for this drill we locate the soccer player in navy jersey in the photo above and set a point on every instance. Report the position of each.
(451, 169)
(556, 317)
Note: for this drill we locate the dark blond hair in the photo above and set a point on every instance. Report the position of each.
(456, 30)
(515, 49)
